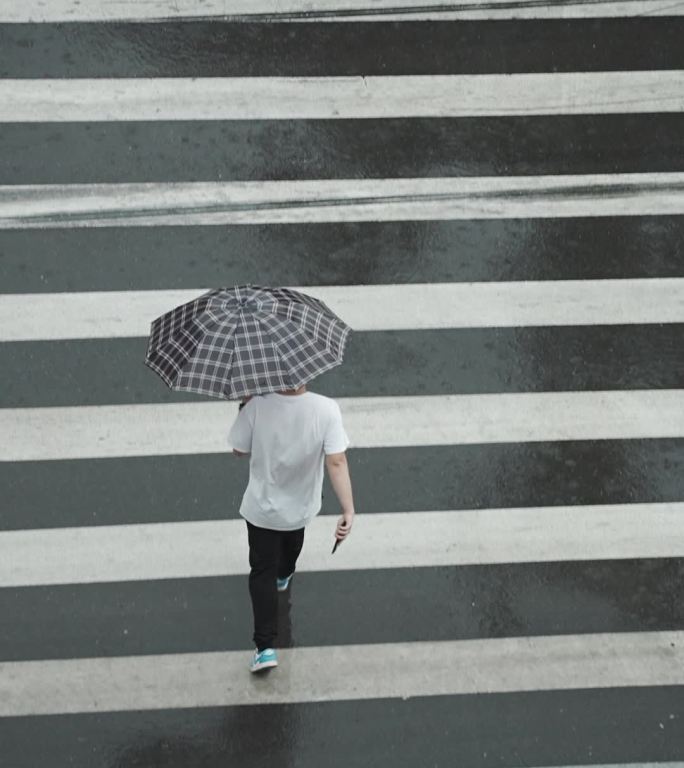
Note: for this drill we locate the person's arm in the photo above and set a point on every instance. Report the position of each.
(335, 443)
(338, 471)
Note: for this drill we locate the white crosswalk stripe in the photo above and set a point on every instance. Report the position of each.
(419, 540)
(77, 205)
(40, 434)
(19, 11)
(467, 666)
(272, 98)
(119, 314)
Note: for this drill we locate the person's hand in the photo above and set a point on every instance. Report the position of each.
(344, 524)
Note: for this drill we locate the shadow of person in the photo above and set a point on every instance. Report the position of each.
(248, 736)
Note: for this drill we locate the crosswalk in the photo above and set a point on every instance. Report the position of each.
(362, 200)
(466, 667)
(326, 10)
(259, 98)
(398, 307)
(421, 540)
(492, 196)
(101, 431)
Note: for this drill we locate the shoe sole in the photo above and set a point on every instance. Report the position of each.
(264, 665)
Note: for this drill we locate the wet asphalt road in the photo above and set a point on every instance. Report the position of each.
(601, 724)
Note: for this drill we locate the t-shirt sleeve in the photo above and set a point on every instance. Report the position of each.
(336, 439)
(240, 435)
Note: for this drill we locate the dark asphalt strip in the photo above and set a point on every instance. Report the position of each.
(243, 150)
(511, 730)
(195, 615)
(223, 49)
(352, 253)
(148, 489)
(377, 363)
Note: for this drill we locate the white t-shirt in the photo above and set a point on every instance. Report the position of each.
(286, 437)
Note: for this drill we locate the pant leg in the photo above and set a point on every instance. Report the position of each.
(264, 551)
(291, 543)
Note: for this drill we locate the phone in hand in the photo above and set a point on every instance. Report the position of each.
(337, 543)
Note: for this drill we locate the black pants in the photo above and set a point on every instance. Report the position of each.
(272, 554)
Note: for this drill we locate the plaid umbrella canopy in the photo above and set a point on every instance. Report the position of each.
(245, 340)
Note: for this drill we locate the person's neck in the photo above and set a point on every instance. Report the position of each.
(299, 391)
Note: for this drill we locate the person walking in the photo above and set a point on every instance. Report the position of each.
(246, 343)
(289, 436)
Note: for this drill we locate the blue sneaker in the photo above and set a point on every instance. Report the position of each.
(282, 583)
(267, 658)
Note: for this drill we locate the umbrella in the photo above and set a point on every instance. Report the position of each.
(246, 340)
